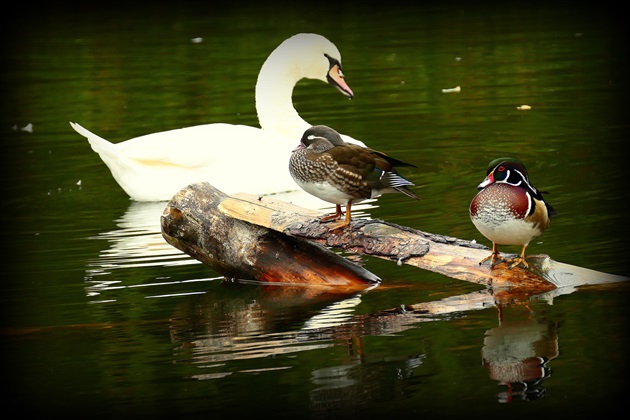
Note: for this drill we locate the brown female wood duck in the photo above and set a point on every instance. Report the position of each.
(508, 209)
(342, 173)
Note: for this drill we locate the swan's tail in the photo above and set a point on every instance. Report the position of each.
(99, 144)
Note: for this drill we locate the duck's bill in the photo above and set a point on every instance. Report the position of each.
(487, 181)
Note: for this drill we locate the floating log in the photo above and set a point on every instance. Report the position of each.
(265, 239)
(238, 249)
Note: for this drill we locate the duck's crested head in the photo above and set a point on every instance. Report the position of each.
(510, 162)
(320, 138)
(506, 170)
(322, 133)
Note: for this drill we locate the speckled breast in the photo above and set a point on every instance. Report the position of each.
(498, 203)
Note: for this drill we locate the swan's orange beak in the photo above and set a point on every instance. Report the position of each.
(335, 78)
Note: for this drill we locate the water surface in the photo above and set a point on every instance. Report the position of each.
(104, 318)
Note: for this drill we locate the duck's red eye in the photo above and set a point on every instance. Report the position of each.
(501, 168)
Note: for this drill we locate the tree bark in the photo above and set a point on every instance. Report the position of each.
(241, 250)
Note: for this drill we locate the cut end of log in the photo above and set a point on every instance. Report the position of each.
(194, 223)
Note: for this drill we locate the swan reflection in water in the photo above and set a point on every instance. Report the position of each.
(138, 241)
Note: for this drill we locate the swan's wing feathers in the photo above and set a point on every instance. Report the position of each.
(198, 146)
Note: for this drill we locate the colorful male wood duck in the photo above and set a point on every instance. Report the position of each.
(508, 209)
(342, 173)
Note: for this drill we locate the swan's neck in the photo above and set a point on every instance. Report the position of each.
(274, 102)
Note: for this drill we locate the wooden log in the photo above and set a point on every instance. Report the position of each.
(238, 249)
(446, 255)
(201, 205)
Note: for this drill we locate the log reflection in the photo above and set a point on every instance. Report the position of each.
(221, 330)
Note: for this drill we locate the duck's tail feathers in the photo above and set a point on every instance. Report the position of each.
(399, 183)
(408, 192)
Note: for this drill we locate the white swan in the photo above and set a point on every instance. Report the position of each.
(233, 158)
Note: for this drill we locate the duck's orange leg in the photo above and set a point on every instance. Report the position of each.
(346, 221)
(336, 216)
(494, 257)
(520, 259)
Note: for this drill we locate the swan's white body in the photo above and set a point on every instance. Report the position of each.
(233, 158)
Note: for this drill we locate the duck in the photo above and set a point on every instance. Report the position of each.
(509, 210)
(155, 166)
(342, 173)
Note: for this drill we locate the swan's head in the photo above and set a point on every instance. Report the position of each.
(311, 56)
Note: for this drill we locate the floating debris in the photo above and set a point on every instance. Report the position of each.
(28, 128)
(197, 40)
(523, 107)
(452, 90)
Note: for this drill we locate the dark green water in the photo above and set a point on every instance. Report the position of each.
(103, 318)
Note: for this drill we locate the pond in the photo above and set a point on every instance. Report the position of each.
(103, 318)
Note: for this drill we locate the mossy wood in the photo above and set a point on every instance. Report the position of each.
(259, 238)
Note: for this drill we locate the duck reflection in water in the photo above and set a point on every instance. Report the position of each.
(517, 353)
